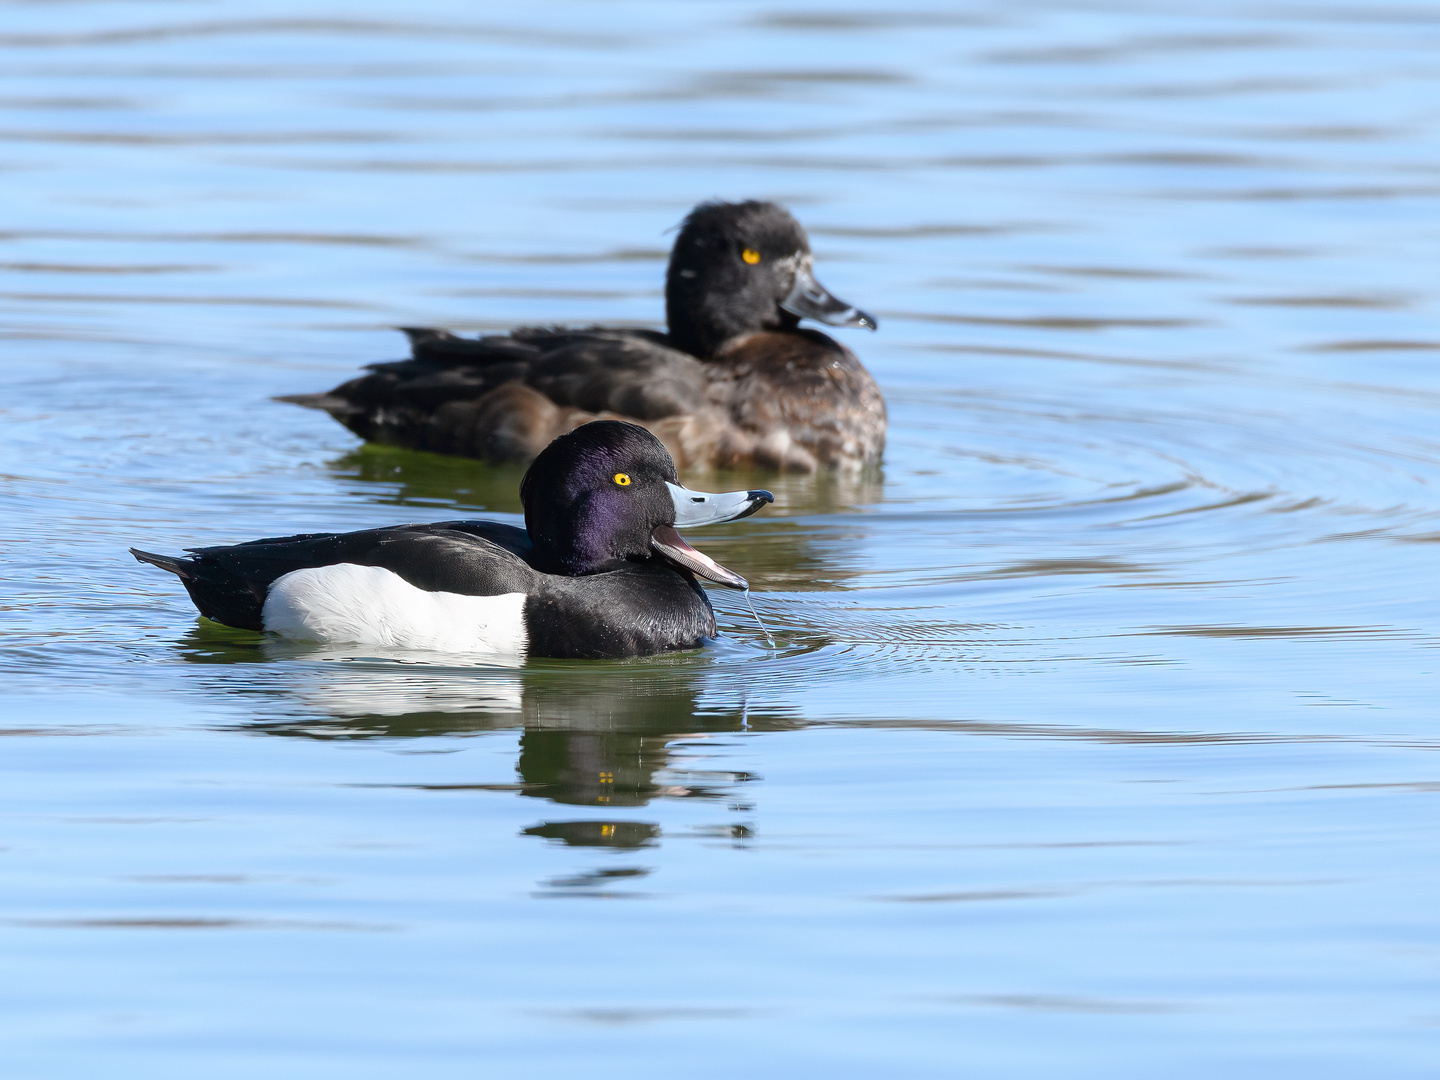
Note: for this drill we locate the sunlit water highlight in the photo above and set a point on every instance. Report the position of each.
(1097, 735)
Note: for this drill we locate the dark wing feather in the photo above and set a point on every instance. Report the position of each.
(229, 584)
(505, 397)
(626, 372)
(512, 539)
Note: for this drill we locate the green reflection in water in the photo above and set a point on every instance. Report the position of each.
(394, 477)
(774, 552)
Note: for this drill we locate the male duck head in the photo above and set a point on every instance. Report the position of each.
(738, 268)
(607, 494)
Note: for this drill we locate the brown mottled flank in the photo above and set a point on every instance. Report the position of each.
(793, 402)
(734, 384)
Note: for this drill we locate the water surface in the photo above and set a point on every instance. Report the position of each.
(1098, 738)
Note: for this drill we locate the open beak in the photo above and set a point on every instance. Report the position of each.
(811, 300)
(702, 508)
(667, 542)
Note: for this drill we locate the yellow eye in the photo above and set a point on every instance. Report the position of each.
(750, 255)
(623, 479)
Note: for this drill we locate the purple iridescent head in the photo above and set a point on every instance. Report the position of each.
(607, 494)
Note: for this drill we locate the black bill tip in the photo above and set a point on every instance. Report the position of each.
(758, 498)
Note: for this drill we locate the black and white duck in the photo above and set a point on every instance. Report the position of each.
(599, 570)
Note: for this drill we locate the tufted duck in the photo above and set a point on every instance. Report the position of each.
(598, 571)
(735, 383)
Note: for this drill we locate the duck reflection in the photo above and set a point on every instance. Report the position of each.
(604, 746)
(591, 735)
(609, 834)
(778, 554)
(394, 477)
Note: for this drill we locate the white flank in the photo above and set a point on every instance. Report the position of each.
(366, 605)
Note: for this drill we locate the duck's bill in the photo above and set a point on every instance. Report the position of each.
(811, 300)
(668, 543)
(693, 508)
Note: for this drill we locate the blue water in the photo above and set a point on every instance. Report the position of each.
(1099, 735)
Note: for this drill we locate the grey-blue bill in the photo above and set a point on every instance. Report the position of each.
(811, 300)
(694, 508)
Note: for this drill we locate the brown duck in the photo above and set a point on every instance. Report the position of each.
(735, 383)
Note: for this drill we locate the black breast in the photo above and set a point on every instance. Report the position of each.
(636, 611)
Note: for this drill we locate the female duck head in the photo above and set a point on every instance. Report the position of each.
(741, 267)
(607, 493)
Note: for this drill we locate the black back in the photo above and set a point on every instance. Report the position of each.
(229, 584)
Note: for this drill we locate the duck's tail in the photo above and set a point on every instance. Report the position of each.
(335, 406)
(342, 408)
(220, 596)
(182, 567)
(422, 335)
